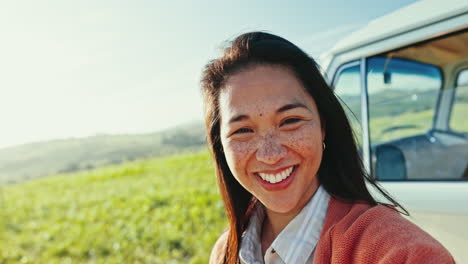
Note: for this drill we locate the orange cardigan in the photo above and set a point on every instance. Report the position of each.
(360, 233)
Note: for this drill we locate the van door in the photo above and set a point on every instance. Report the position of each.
(418, 133)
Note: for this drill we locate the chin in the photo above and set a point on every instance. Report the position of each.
(281, 208)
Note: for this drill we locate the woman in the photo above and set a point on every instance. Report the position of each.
(288, 169)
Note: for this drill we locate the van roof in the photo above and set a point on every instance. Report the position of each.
(402, 20)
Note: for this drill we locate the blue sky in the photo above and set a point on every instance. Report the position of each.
(80, 68)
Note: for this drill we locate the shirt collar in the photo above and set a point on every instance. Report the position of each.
(296, 241)
(251, 247)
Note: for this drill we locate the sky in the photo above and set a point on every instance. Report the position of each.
(81, 68)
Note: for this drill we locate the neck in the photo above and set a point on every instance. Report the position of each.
(275, 222)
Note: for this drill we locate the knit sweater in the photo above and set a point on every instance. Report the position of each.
(360, 233)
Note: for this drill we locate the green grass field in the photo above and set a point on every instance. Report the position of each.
(164, 210)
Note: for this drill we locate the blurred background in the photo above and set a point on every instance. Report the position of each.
(102, 147)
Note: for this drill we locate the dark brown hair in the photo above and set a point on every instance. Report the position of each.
(341, 172)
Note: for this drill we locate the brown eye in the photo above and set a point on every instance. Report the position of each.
(290, 121)
(242, 131)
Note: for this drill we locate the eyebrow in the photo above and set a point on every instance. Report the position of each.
(280, 110)
(291, 106)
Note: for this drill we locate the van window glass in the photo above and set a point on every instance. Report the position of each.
(402, 97)
(348, 90)
(418, 128)
(458, 119)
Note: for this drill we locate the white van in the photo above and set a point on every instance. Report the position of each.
(403, 79)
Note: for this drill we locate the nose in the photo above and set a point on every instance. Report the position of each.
(270, 151)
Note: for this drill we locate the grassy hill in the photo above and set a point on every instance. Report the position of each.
(164, 210)
(40, 159)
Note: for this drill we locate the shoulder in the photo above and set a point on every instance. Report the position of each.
(380, 232)
(217, 253)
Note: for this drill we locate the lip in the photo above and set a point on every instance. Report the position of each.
(279, 185)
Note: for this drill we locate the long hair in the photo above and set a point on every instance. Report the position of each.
(341, 171)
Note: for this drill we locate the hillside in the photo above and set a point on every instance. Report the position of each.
(30, 161)
(163, 210)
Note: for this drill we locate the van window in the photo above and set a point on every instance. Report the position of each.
(348, 90)
(417, 122)
(460, 105)
(402, 97)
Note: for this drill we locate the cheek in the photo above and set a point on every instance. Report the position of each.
(237, 154)
(305, 141)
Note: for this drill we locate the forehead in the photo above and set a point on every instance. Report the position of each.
(262, 88)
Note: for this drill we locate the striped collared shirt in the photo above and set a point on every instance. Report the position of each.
(295, 244)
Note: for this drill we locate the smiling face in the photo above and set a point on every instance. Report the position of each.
(271, 136)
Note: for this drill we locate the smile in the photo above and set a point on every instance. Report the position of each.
(277, 177)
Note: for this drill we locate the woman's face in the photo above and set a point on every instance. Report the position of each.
(272, 136)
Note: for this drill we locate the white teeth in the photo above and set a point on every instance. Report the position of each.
(274, 178)
(271, 178)
(277, 178)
